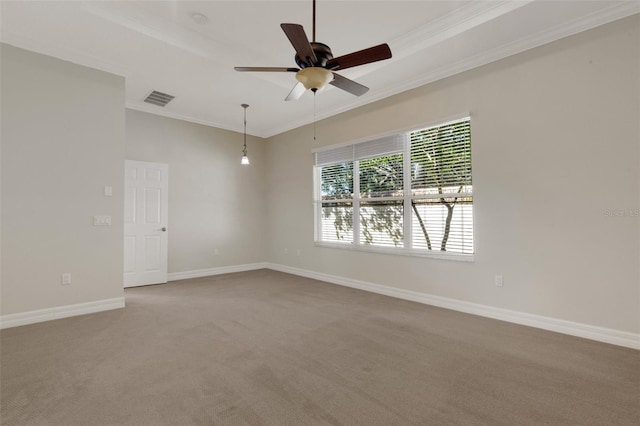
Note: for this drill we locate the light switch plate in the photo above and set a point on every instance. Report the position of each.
(66, 278)
(108, 191)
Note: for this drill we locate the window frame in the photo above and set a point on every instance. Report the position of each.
(406, 249)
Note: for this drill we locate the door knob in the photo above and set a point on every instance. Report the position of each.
(163, 229)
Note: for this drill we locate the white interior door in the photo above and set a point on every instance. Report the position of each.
(145, 223)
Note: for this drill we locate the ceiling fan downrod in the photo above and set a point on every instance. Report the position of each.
(313, 31)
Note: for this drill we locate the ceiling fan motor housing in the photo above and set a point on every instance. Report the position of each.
(322, 52)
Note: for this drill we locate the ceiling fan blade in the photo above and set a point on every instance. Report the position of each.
(348, 85)
(361, 57)
(296, 35)
(295, 94)
(267, 69)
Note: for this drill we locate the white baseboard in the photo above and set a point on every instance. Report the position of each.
(40, 315)
(175, 276)
(601, 334)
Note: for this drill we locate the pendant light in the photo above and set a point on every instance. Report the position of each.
(245, 158)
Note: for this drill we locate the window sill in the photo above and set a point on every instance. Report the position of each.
(399, 251)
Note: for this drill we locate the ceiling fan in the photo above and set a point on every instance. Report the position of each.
(317, 65)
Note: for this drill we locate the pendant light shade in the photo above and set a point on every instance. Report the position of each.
(245, 157)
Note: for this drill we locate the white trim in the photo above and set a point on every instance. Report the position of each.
(425, 35)
(198, 273)
(601, 334)
(401, 251)
(48, 314)
(156, 110)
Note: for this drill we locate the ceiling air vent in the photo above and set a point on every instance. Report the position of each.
(159, 98)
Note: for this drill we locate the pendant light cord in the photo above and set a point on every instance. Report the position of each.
(244, 149)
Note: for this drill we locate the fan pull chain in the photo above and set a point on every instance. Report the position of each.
(314, 116)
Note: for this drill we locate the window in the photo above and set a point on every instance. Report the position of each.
(408, 193)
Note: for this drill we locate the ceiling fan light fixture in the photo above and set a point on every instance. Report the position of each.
(314, 78)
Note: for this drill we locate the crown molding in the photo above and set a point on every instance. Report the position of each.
(432, 33)
(63, 53)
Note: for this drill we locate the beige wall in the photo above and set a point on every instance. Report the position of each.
(62, 143)
(216, 205)
(556, 144)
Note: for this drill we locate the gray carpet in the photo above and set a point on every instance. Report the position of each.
(267, 348)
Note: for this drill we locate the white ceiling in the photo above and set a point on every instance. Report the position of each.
(157, 45)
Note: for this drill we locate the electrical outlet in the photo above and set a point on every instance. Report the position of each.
(66, 278)
(286, 251)
(497, 280)
(298, 252)
(102, 221)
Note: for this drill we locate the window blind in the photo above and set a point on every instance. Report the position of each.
(441, 159)
(372, 148)
(337, 181)
(366, 200)
(441, 188)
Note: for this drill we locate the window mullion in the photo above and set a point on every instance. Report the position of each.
(317, 203)
(356, 203)
(406, 176)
